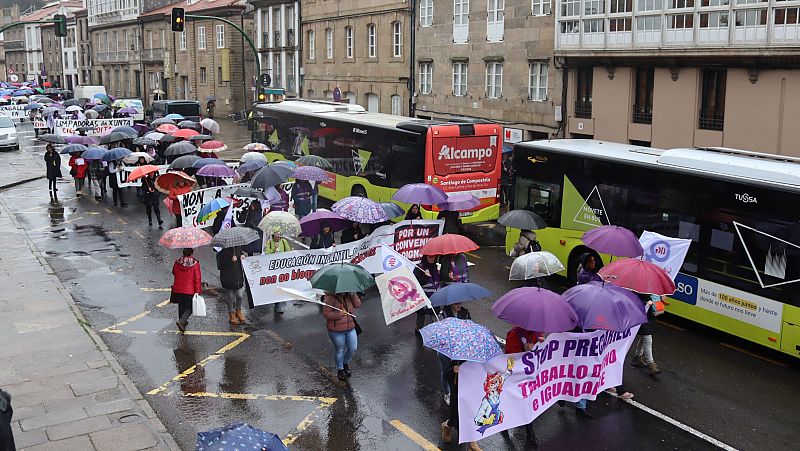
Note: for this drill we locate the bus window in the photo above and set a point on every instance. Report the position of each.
(406, 165)
(542, 198)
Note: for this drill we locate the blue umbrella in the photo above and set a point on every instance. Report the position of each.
(251, 165)
(32, 106)
(94, 153)
(100, 108)
(205, 162)
(239, 436)
(116, 153)
(126, 130)
(605, 306)
(459, 292)
(72, 148)
(392, 209)
(175, 117)
(19, 93)
(507, 148)
(461, 339)
(210, 210)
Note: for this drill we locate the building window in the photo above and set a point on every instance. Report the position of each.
(594, 7)
(678, 4)
(643, 97)
(583, 97)
(372, 47)
(329, 43)
(714, 2)
(715, 19)
(397, 39)
(751, 17)
(495, 20)
(220, 36)
(203, 75)
(648, 23)
(650, 5)
(459, 79)
(494, 80)
(312, 48)
(348, 39)
(537, 81)
(680, 21)
(277, 70)
(570, 8)
(540, 7)
(787, 16)
(201, 38)
(593, 26)
(426, 13)
(621, 6)
(460, 21)
(276, 27)
(397, 105)
(619, 24)
(712, 101)
(425, 78)
(182, 40)
(290, 26)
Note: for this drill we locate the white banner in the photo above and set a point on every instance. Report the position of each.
(125, 172)
(192, 202)
(401, 294)
(666, 252)
(65, 127)
(15, 112)
(39, 123)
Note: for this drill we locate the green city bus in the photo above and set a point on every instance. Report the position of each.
(740, 209)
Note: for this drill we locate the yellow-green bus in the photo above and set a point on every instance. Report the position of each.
(740, 209)
(374, 154)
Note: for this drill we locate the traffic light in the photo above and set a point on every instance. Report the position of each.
(262, 96)
(61, 25)
(178, 19)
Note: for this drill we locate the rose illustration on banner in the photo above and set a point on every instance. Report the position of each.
(489, 413)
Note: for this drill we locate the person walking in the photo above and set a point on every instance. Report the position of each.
(342, 329)
(352, 233)
(521, 340)
(452, 418)
(454, 269)
(97, 177)
(526, 244)
(77, 171)
(52, 161)
(413, 213)
(587, 272)
(458, 311)
(255, 214)
(429, 277)
(231, 276)
(324, 239)
(6, 416)
(302, 193)
(116, 191)
(151, 198)
(276, 244)
(643, 354)
(187, 281)
(452, 222)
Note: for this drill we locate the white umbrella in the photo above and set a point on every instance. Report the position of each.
(533, 265)
(134, 157)
(253, 155)
(210, 125)
(72, 108)
(92, 114)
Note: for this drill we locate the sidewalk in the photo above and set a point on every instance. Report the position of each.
(19, 167)
(68, 391)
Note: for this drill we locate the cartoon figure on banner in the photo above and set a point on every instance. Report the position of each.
(403, 290)
(489, 413)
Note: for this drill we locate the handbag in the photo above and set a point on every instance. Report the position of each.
(198, 305)
(358, 327)
(73, 172)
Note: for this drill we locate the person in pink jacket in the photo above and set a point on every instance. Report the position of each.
(342, 329)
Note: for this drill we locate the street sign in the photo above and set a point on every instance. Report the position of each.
(10, 71)
(264, 80)
(13, 78)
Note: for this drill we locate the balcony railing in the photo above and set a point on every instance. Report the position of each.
(642, 114)
(583, 109)
(711, 120)
(14, 45)
(121, 56)
(153, 55)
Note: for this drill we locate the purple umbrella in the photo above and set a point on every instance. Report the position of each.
(251, 165)
(81, 139)
(613, 240)
(311, 224)
(216, 170)
(461, 339)
(310, 173)
(56, 105)
(141, 128)
(460, 202)
(420, 193)
(536, 309)
(360, 209)
(605, 306)
(127, 110)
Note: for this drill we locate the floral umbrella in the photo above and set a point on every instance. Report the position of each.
(280, 222)
(256, 147)
(461, 339)
(184, 237)
(360, 209)
(213, 146)
(310, 173)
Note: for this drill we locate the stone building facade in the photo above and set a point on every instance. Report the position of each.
(116, 41)
(84, 43)
(52, 65)
(279, 41)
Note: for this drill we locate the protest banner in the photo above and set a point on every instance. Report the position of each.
(664, 251)
(125, 172)
(15, 112)
(193, 201)
(514, 389)
(65, 127)
(39, 124)
(401, 294)
(408, 237)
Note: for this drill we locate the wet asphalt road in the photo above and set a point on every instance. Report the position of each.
(276, 372)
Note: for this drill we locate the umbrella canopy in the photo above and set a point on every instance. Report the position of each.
(184, 162)
(175, 117)
(522, 219)
(180, 148)
(100, 108)
(81, 139)
(133, 158)
(216, 170)
(461, 339)
(312, 173)
(114, 137)
(247, 191)
(638, 275)
(101, 97)
(116, 153)
(176, 182)
(141, 128)
(92, 114)
(605, 306)
(256, 147)
(200, 162)
(613, 240)
(167, 128)
(360, 209)
(248, 156)
(252, 165)
(460, 202)
(161, 121)
(126, 130)
(313, 160)
(533, 265)
(141, 171)
(244, 436)
(94, 153)
(420, 193)
(281, 222)
(32, 106)
(270, 175)
(200, 138)
(311, 224)
(52, 138)
(184, 133)
(213, 146)
(72, 102)
(127, 110)
(72, 108)
(209, 210)
(73, 148)
(155, 136)
(342, 278)
(142, 141)
(184, 237)
(449, 243)
(459, 292)
(536, 309)
(289, 164)
(235, 236)
(392, 210)
(189, 124)
(210, 125)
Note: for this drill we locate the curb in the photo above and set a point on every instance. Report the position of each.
(136, 395)
(20, 182)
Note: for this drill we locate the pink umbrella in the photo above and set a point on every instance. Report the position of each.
(613, 240)
(310, 173)
(184, 237)
(81, 139)
(638, 275)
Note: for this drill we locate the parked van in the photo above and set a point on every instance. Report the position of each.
(137, 105)
(190, 109)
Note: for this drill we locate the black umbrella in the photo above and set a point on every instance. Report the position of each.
(114, 137)
(180, 148)
(314, 160)
(247, 191)
(51, 138)
(168, 139)
(522, 219)
(189, 124)
(271, 175)
(200, 138)
(142, 141)
(71, 102)
(161, 121)
(184, 162)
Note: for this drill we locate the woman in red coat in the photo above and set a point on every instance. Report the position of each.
(187, 283)
(77, 170)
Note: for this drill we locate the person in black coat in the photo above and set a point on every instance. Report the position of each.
(452, 222)
(6, 415)
(255, 214)
(413, 212)
(151, 198)
(231, 276)
(52, 161)
(324, 238)
(352, 233)
(428, 276)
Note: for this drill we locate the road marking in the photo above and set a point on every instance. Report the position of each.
(156, 289)
(122, 221)
(473, 255)
(752, 354)
(163, 304)
(414, 435)
(140, 234)
(114, 328)
(679, 425)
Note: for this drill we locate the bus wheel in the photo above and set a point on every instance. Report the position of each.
(359, 191)
(574, 264)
